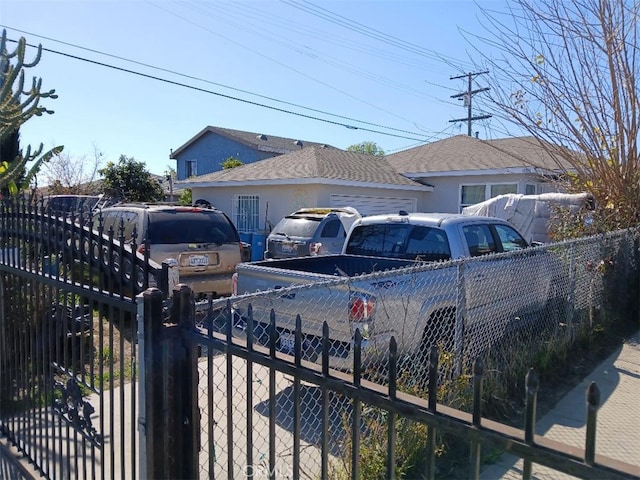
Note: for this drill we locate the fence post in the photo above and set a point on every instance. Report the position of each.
(182, 387)
(151, 420)
(636, 264)
(461, 314)
(571, 295)
(170, 278)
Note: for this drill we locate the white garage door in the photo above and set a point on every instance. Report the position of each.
(374, 205)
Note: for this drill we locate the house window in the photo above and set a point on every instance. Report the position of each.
(472, 194)
(530, 189)
(246, 212)
(192, 168)
(503, 189)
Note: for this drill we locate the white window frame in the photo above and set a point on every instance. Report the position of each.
(487, 191)
(245, 212)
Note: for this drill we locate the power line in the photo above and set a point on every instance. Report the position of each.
(205, 81)
(436, 136)
(243, 21)
(283, 65)
(367, 30)
(253, 20)
(230, 97)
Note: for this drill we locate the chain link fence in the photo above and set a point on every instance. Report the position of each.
(505, 308)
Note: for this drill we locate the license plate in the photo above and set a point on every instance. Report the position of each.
(288, 247)
(198, 260)
(287, 342)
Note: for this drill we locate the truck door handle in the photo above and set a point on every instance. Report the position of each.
(288, 296)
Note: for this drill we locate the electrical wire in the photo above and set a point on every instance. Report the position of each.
(435, 137)
(369, 31)
(173, 72)
(242, 23)
(253, 20)
(283, 65)
(229, 97)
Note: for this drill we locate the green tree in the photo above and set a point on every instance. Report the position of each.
(369, 148)
(129, 180)
(231, 162)
(566, 72)
(186, 197)
(18, 104)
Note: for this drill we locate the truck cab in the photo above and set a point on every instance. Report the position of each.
(431, 236)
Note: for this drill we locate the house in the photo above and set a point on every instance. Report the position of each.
(443, 176)
(256, 196)
(465, 170)
(209, 148)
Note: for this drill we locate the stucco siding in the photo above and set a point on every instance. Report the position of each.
(278, 201)
(445, 197)
(275, 201)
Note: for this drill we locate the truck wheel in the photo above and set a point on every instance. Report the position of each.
(440, 332)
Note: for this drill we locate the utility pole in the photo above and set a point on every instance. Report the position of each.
(467, 99)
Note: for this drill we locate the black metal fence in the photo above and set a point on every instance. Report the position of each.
(68, 342)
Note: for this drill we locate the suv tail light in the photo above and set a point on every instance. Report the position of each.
(314, 248)
(234, 284)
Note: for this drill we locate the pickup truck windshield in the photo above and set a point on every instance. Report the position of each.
(409, 242)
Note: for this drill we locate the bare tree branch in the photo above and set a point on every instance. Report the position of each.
(566, 72)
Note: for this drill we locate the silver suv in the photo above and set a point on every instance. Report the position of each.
(202, 242)
(310, 231)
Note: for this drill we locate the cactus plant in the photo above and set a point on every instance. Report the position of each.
(17, 105)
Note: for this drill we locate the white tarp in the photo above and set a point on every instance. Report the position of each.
(530, 214)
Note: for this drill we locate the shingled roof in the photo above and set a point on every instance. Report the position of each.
(258, 141)
(315, 163)
(465, 153)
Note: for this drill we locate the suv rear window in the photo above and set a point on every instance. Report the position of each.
(179, 226)
(297, 226)
(410, 242)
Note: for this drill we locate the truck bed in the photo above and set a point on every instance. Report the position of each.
(336, 265)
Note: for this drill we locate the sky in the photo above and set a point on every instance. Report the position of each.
(141, 78)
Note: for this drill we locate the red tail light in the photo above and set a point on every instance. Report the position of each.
(141, 248)
(314, 248)
(361, 308)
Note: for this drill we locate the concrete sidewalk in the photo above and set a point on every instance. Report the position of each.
(618, 424)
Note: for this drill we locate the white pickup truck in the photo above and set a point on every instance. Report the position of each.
(411, 276)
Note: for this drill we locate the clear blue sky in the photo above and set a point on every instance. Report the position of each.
(384, 65)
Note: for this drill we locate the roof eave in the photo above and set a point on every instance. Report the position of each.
(483, 172)
(303, 181)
